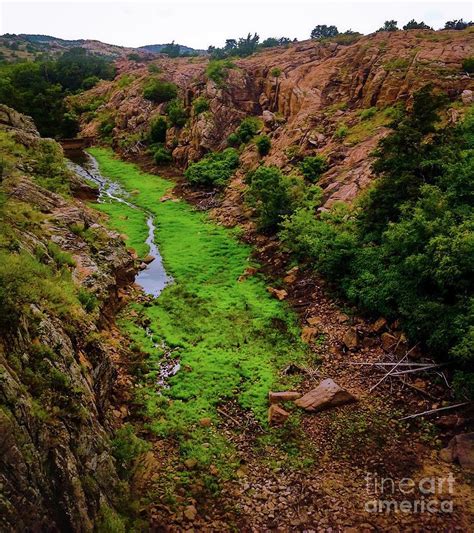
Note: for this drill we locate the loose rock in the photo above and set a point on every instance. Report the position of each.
(326, 395)
(277, 415)
(286, 396)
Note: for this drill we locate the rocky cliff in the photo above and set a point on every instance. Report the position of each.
(61, 271)
(312, 97)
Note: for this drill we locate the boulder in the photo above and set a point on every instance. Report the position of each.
(281, 294)
(462, 448)
(286, 396)
(277, 415)
(268, 118)
(379, 325)
(467, 97)
(326, 395)
(388, 341)
(351, 339)
(308, 333)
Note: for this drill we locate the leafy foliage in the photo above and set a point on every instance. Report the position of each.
(263, 144)
(161, 155)
(457, 24)
(389, 25)
(200, 105)
(217, 70)
(468, 65)
(247, 129)
(214, 169)
(313, 167)
(414, 25)
(176, 113)
(158, 127)
(324, 32)
(407, 251)
(159, 91)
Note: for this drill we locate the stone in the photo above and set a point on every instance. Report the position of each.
(467, 97)
(148, 259)
(268, 118)
(379, 325)
(190, 512)
(314, 321)
(462, 447)
(308, 333)
(286, 396)
(290, 278)
(205, 422)
(351, 339)
(277, 415)
(190, 463)
(446, 455)
(326, 395)
(281, 294)
(388, 341)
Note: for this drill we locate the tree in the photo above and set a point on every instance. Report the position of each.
(457, 24)
(389, 25)
(160, 91)
(171, 49)
(324, 32)
(414, 25)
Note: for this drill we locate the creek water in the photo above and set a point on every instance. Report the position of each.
(153, 278)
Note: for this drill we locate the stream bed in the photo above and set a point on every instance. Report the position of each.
(153, 278)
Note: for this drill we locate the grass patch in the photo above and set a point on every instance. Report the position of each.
(231, 337)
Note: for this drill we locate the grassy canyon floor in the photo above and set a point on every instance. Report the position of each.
(213, 463)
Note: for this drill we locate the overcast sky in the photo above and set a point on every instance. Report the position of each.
(199, 23)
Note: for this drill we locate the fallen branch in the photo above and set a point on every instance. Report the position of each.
(431, 411)
(393, 368)
(419, 369)
(223, 413)
(389, 364)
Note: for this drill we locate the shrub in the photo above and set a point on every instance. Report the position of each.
(214, 169)
(162, 156)
(263, 144)
(468, 65)
(324, 32)
(389, 25)
(157, 132)
(248, 129)
(90, 82)
(217, 70)
(313, 167)
(176, 113)
(275, 72)
(273, 195)
(341, 132)
(88, 300)
(200, 105)
(160, 91)
(414, 25)
(233, 140)
(367, 114)
(126, 447)
(106, 127)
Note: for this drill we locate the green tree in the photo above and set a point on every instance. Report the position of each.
(160, 91)
(389, 25)
(414, 25)
(324, 32)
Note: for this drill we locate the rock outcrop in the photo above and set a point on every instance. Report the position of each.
(58, 376)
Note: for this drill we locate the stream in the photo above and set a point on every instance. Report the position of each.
(153, 278)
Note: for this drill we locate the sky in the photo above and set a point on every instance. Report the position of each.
(200, 23)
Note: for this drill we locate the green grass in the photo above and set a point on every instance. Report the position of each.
(232, 337)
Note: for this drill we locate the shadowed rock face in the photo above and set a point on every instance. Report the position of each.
(56, 466)
(321, 87)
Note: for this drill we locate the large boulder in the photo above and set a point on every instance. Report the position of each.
(326, 395)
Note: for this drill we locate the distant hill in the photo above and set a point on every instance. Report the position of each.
(157, 48)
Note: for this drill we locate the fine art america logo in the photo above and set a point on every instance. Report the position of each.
(427, 495)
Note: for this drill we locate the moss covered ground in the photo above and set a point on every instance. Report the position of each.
(232, 337)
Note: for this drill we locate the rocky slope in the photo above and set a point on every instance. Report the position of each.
(58, 378)
(311, 104)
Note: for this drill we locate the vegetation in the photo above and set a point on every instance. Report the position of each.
(323, 32)
(313, 167)
(263, 144)
(160, 91)
(468, 65)
(214, 169)
(217, 70)
(274, 196)
(176, 113)
(405, 251)
(200, 105)
(414, 25)
(246, 131)
(457, 24)
(389, 25)
(161, 155)
(39, 89)
(239, 360)
(157, 132)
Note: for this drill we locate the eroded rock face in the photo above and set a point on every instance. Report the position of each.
(326, 395)
(56, 465)
(322, 86)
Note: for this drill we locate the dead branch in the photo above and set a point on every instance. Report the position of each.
(431, 411)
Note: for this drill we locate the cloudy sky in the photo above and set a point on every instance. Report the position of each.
(199, 23)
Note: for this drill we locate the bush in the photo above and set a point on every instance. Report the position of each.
(275, 72)
(274, 195)
(162, 156)
(200, 105)
(368, 113)
(468, 65)
(341, 132)
(389, 25)
(217, 70)
(248, 129)
(157, 132)
(160, 91)
(324, 32)
(215, 169)
(233, 140)
(263, 144)
(176, 113)
(414, 25)
(88, 300)
(313, 167)
(126, 447)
